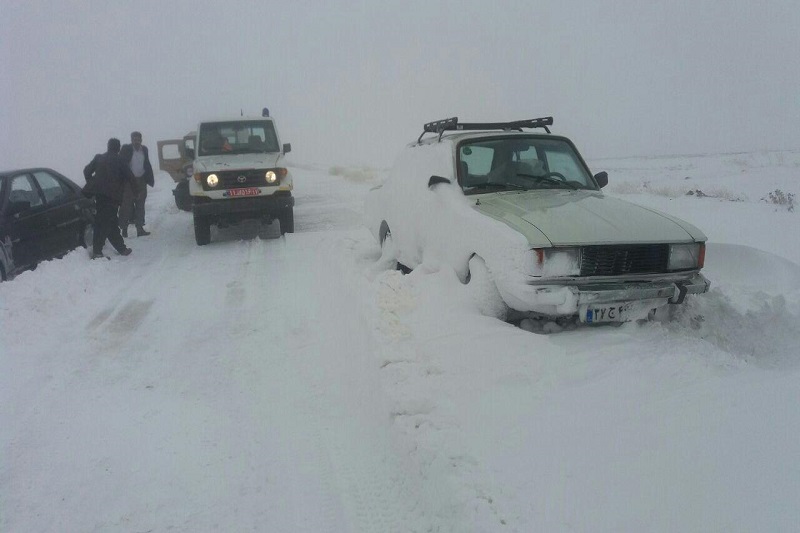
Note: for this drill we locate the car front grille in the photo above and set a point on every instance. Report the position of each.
(624, 259)
(238, 179)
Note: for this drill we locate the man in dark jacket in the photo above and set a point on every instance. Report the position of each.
(106, 177)
(138, 160)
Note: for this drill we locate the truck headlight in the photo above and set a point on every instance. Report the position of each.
(212, 180)
(271, 176)
(556, 262)
(686, 256)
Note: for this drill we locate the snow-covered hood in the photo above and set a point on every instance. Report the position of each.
(212, 163)
(584, 217)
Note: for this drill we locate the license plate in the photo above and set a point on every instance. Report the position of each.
(614, 312)
(247, 191)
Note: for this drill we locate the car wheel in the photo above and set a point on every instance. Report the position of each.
(286, 220)
(202, 230)
(183, 199)
(86, 236)
(483, 290)
(389, 253)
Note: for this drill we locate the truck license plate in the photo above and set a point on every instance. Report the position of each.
(247, 191)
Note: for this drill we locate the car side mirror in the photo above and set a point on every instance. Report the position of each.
(436, 180)
(601, 178)
(14, 208)
(287, 148)
(189, 153)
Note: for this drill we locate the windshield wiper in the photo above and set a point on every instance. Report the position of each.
(551, 179)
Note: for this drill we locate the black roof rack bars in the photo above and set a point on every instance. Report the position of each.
(451, 124)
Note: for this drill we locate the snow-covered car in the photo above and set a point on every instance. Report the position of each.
(43, 215)
(518, 215)
(239, 173)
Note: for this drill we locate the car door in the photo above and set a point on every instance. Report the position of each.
(172, 157)
(63, 212)
(25, 219)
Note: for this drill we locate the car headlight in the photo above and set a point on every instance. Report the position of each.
(271, 176)
(686, 256)
(556, 262)
(212, 180)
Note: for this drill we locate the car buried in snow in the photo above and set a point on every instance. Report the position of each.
(519, 217)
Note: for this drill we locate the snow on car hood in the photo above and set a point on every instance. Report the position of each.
(584, 217)
(236, 161)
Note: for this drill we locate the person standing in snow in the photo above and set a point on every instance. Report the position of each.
(106, 177)
(138, 160)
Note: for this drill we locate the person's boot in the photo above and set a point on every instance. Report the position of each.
(99, 255)
(141, 232)
(126, 251)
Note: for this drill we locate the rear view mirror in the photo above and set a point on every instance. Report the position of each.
(435, 180)
(601, 178)
(287, 147)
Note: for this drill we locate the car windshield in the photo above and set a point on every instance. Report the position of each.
(520, 163)
(234, 137)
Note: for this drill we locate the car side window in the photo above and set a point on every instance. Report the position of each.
(51, 187)
(22, 190)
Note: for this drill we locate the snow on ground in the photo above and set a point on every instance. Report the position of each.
(267, 383)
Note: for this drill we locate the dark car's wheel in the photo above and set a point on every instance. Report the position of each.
(483, 290)
(202, 230)
(286, 219)
(86, 236)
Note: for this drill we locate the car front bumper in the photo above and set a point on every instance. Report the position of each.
(565, 299)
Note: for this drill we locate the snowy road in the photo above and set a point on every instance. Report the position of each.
(294, 384)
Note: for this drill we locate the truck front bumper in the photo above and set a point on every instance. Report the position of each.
(242, 208)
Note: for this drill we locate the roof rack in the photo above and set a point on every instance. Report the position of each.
(450, 124)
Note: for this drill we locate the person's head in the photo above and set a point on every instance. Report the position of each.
(113, 145)
(136, 139)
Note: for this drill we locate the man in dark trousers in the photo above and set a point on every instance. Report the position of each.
(106, 177)
(138, 160)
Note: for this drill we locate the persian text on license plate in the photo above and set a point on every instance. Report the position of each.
(247, 191)
(614, 312)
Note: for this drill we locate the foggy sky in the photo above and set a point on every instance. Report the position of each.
(352, 82)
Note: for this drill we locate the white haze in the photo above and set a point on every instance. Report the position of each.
(351, 81)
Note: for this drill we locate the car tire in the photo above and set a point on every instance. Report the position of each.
(389, 253)
(86, 236)
(202, 230)
(286, 219)
(483, 290)
(183, 200)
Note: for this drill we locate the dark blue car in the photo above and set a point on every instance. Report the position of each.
(43, 215)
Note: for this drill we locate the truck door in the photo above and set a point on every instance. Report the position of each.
(172, 158)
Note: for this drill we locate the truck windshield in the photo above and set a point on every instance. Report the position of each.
(239, 137)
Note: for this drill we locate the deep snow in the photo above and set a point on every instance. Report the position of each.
(270, 384)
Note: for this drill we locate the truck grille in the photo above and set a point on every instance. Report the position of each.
(624, 259)
(239, 178)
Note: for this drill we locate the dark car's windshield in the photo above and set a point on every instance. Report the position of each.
(514, 163)
(250, 136)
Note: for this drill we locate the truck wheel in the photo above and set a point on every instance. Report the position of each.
(183, 199)
(286, 219)
(202, 230)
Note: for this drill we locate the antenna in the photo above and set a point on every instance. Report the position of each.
(241, 112)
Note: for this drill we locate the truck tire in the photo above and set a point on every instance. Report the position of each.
(286, 219)
(202, 230)
(182, 198)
